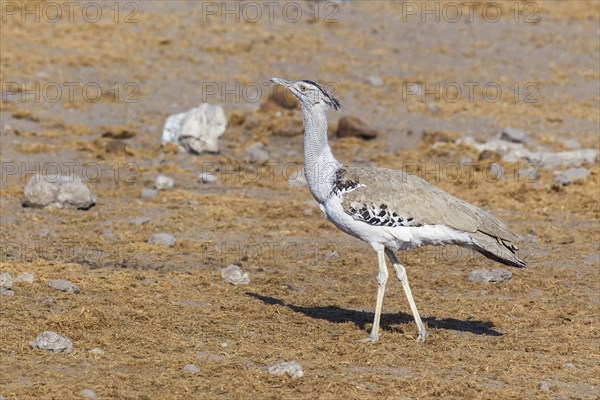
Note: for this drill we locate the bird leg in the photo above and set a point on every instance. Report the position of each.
(381, 279)
(403, 278)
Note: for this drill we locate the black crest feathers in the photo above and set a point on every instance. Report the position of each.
(329, 99)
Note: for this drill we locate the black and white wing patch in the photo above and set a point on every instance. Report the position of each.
(379, 215)
(342, 184)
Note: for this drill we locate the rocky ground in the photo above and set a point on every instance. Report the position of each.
(120, 288)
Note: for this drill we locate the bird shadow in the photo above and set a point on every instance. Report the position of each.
(388, 320)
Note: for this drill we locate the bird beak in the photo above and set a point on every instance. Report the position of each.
(281, 82)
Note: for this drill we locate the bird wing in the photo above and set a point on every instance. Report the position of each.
(394, 198)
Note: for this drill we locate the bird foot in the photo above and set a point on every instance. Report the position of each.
(369, 340)
(422, 336)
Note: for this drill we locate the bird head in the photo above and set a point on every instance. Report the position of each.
(309, 93)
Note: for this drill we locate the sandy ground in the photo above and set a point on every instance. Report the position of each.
(154, 309)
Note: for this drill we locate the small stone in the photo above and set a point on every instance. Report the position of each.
(570, 366)
(545, 386)
(52, 341)
(63, 285)
(207, 178)
(88, 394)
(191, 369)
(140, 220)
(164, 182)
(6, 280)
(197, 130)
(44, 233)
(332, 255)
(193, 202)
(6, 292)
(162, 238)
(354, 126)
(571, 175)
(233, 274)
(97, 351)
(292, 368)
(484, 275)
(224, 345)
(48, 302)
(256, 153)
(148, 193)
(513, 135)
(374, 80)
(58, 191)
(570, 158)
(25, 277)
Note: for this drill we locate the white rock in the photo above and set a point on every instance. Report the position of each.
(148, 193)
(571, 175)
(207, 178)
(191, 369)
(374, 80)
(292, 368)
(140, 220)
(58, 191)
(6, 292)
(162, 238)
(484, 275)
(63, 286)
(513, 135)
(96, 350)
(25, 277)
(164, 182)
(6, 280)
(234, 275)
(52, 341)
(197, 130)
(511, 151)
(256, 153)
(88, 394)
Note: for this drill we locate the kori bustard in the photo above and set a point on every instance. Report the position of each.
(391, 210)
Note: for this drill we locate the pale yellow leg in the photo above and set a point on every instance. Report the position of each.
(403, 278)
(382, 278)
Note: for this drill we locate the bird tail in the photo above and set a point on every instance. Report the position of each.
(497, 249)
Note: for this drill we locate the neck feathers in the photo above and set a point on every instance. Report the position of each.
(320, 166)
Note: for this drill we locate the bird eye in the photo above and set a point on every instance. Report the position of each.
(302, 88)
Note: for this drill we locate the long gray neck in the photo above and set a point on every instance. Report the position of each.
(320, 166)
